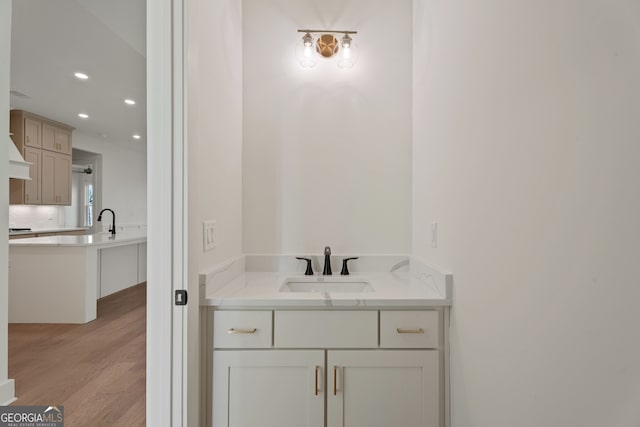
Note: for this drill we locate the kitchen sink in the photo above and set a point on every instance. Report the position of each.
(319, 284)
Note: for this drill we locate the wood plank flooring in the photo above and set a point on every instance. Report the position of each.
(96, 371)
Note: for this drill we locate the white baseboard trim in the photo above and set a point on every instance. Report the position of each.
(7, 392)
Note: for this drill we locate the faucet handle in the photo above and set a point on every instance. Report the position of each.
(309, 270)
(345, 268)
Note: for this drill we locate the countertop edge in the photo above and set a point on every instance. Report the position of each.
(47, 230)
(32, 243)
(317, 304)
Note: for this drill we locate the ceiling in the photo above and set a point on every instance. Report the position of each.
(51, 40)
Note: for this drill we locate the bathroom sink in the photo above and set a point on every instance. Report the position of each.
(326, 284)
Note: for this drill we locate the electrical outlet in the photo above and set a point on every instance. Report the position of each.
(434, 234)
(210, 235)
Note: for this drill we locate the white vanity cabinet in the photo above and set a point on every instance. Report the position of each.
(334, 368)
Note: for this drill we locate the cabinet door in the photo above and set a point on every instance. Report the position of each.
(48, 137)
(268, 388)
(48, 175)
(56, 139)
(63, 141)
(56, 178)
(32, 130)
(63, 180)
(118, 269)
(381, 388)
(32, 190)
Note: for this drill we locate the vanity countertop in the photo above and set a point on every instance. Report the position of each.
(396, 289)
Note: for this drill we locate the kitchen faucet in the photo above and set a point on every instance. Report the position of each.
(112, 228)
(327, 262)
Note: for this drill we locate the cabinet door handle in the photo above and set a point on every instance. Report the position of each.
(242, 331)
(317, 369)
(410, 331)
(335, 380)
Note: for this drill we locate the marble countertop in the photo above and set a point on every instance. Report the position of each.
(99, 240)
(396, 289)
(35, 230)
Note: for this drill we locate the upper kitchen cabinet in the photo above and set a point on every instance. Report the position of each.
(56, 178)
(32, 133)
(47, 145)
(56, 139)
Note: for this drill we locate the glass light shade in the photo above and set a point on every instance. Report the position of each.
(348, 55)
(305, 52)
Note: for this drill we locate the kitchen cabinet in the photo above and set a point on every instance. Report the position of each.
(33, 189)
(120, 267)
(334, 368)
(56, 139)
(47, 145)
(56, 178)
(32, 133)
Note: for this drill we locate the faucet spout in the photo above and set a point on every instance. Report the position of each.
(326, 271)
(112, 228)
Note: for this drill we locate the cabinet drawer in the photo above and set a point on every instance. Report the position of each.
(242, 329)
(326, 329)
(409, 329)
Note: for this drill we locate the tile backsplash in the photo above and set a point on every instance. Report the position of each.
(36, 216)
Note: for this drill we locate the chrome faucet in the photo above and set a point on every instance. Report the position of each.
(112, 228)
(326, 271)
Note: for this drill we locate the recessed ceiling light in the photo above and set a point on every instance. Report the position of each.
(136, 136)
(81, 76)
(83, 116)
(130, 102)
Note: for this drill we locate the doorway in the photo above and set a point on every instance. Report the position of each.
(116, 158)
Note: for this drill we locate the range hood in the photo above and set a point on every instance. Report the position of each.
(18, 168)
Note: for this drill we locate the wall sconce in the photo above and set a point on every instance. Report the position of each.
(328, 44)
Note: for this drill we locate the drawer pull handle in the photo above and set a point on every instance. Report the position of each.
(242, 331)
(317, 368)
(410, 331)
(335, 380)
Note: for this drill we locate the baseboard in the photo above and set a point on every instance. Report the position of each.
(7, 392)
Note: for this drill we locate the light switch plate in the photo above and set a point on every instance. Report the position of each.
(210, 235)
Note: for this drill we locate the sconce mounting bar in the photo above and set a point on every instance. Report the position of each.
(327, 31)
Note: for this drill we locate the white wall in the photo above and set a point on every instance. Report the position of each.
(327, 152)
(214, 150)
(124, 177)
(6, 385)
(215, 126)
(526, 148)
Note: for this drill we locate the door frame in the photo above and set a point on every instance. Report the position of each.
(167, 208)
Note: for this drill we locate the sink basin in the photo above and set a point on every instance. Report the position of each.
(326, 284)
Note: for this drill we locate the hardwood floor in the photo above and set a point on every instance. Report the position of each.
(96, 371)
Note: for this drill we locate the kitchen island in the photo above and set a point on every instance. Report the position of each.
(58, 279)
